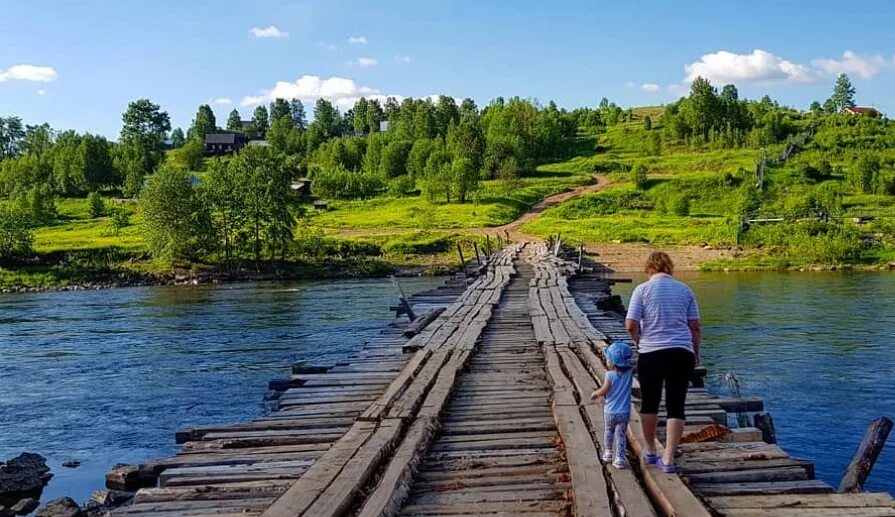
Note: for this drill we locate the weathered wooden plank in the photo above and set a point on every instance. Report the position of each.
(803, 501)
(588, 485)
(302, 494)
(394, 484)
(811, 486)
(337, 497)
(378, 408)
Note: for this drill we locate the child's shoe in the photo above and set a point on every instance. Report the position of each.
(607, 456)
(620, 463)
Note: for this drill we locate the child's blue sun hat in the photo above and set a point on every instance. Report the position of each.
(619, 354)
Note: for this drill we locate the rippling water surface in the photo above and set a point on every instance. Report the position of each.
(108, 376)
(818, 347)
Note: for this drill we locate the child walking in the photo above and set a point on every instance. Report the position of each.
(617, 410)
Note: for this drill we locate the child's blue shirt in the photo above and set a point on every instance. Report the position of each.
(618, 400)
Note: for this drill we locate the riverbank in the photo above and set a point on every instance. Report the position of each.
(630, 257)
(141, 274)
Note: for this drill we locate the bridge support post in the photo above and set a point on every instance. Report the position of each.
(865, 457)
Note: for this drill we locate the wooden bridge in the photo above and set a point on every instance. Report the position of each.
(480, 407)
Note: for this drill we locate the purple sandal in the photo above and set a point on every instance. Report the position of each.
(648, 458)
(668, 469)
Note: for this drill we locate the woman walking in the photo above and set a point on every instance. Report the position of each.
(663, 320)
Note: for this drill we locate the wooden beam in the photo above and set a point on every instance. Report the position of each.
(865, 457)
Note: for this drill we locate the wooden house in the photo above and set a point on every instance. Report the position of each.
(217, 144)
(862, 111)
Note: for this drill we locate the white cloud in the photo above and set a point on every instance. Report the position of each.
(650, 87)
(41, 74)
(222, 101)
(759, 66)
(851, 63)
(366, 61)
(41, 92)
(269, 32)
(357, 40)
(401, 58)
(341, 91)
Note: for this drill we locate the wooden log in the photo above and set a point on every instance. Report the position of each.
(589, 489)
(865, 457)
(337, 497)
(812, 486)
(765, 423)
(802, 501)
(462, 260)
(301, 495)
(394, 484)
(422, 322)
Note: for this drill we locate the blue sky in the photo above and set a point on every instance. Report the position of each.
(77, 64)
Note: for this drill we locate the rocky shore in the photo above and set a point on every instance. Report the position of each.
(22, 481)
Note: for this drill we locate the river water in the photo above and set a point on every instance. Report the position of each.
(108, 376)
(819, 348)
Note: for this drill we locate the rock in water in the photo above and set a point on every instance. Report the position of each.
(23, 476)
(62, 507)
(25, 506)
(111, 498)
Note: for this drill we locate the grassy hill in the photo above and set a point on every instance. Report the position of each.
(713, 184)
(691, 195)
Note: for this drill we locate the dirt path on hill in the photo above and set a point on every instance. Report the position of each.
(513, 229)
(620, 257)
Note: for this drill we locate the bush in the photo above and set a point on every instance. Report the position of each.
(40, 204)
(97, 206)
(120, 219)
(679, 205)
(313, 243)
(603, 203)
(638, 176)
(338, 182)
(402, 186)
(673, 203)
(420, 243)
(16, 236)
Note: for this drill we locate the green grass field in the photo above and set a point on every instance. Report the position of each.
(492, 208)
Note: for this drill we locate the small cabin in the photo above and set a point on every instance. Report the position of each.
(217, 144)
(301, 188)
(862, 111)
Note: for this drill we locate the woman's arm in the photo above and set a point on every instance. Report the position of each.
(693, 323)
(696, 335)
(635, 314)
(633, 327)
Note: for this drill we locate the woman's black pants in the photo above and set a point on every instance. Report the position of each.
(671, 367)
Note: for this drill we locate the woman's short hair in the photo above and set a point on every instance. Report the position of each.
(659, 262)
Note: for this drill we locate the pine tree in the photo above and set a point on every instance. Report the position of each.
(260, 122)
(299, 119)
(279, 108)
(234, 121)
(843, 93)
(203, 124)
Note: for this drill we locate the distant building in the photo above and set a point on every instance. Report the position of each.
(217, 144)
(301, 187)
(259, 143)
(383, 126)
(863, 111)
